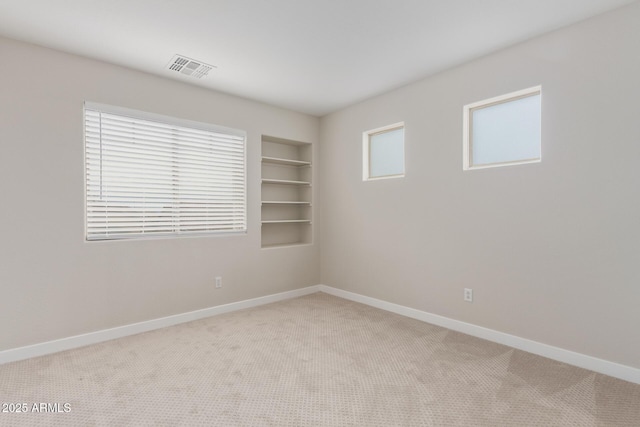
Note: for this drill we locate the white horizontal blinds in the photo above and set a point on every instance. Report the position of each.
(149, 178)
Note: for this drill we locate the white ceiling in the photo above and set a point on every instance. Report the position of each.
(307, 55)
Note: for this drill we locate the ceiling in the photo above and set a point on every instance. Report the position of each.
(307, 55)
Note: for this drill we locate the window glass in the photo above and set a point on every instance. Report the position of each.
(387, 153)
(504, 131)
(383, 151)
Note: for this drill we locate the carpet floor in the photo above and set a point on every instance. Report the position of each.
(317, 360)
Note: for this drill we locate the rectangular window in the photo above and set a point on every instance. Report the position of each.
(505, 130)
(383, 152)
(149, 175)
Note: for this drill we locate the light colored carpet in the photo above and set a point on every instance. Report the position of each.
(317, 360)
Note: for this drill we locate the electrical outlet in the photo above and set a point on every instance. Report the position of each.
(218, 282)
(468, 295)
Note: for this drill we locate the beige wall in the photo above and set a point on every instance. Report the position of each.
(55, 285)
(552, 250)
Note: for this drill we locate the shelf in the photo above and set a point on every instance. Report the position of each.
(285, 182)
(284, 245)
(287, 221)
(287, 177)
(286, 162)
(284, 202)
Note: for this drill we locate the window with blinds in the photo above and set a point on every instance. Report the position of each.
(150, 176)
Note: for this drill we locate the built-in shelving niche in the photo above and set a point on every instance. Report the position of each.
(286, 192)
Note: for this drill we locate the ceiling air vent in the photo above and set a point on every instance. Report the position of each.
(189, 67)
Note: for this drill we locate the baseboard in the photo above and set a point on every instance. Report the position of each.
(76, 341)
(606, 367)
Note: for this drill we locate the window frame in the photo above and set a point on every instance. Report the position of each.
(167, 121)
(366, 151)
(467, 142)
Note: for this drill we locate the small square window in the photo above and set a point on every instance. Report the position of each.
(502, 131)
(383, 152)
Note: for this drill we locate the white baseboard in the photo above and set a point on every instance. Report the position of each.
(76, 341)
(612, 369)
(606, 367)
